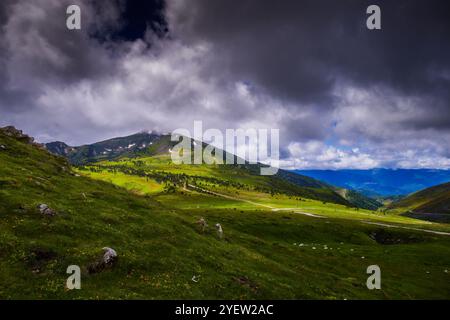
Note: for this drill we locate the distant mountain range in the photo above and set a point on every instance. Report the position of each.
(138, 143)
(381, 182)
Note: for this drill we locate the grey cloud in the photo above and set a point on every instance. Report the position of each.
(299, 50)
(310, 68)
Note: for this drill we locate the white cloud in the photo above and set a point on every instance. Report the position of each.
(317, 155)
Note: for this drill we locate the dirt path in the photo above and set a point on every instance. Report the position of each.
(407, 228)
(295, 210)
(256, 203)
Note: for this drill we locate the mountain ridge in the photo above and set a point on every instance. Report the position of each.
(145, 144)
(435, 199)
(381, 182)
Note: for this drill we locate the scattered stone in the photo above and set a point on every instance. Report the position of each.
(2, 147)
(195, 278)
(314, 248)
(202, 223)
(108, 260)
(363, 257)
(446, 271)
(110, 256)
(219, 230)
(46, 211)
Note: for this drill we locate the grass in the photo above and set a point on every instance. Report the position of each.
(161, 248)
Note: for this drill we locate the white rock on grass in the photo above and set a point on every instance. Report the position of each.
(45, 210)
(219, 230)
(109, 256)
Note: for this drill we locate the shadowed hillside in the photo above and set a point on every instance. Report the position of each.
(432, 200)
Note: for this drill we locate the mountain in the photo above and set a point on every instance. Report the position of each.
(381, 182)
(431, 200)
(354, 198)
(108, 149)
(145, 145)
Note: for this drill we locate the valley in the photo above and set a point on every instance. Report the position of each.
(283, 238)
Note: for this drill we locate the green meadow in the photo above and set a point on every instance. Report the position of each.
(147, 209)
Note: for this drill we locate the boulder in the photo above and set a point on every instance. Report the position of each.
(107, 260)
(203, 224)
(109, 256)
(46, 211)
(219, 230)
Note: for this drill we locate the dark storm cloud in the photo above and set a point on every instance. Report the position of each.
(299, 50)
(346, 96)
(37, 49)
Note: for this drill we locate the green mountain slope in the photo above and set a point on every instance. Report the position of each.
(163, 254)
(359, 200)
(152, 152)
(431, 200)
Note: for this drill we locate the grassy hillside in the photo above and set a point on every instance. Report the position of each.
(359, 200)
(162, 170)
(269, 250)
(145, 153)
(431, 200)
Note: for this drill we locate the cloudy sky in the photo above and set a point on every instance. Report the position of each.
(342, 96)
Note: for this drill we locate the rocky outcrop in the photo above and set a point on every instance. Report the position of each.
(11, 131)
